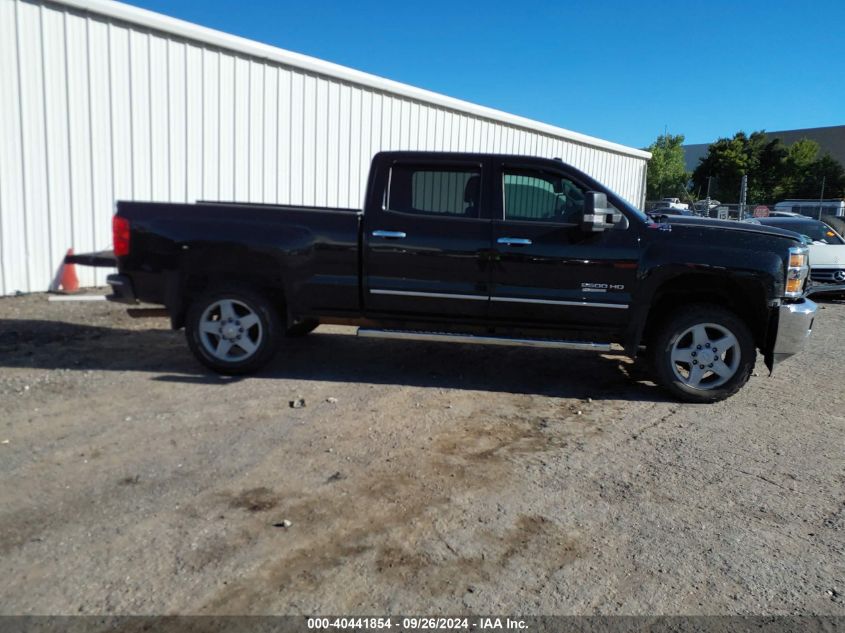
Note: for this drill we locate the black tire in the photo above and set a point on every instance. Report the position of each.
(302, 328)
(676, 335)
(260, 338)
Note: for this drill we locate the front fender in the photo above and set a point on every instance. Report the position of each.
(691, 270)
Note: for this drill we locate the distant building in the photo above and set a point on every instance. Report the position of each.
(830, 139)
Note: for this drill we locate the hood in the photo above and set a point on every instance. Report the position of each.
(827, 255)
(728, 225)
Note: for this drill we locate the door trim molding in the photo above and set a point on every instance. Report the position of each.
(553, 302)
(433, 295)
(446, 295)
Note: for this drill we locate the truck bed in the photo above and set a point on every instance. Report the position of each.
(317, 247)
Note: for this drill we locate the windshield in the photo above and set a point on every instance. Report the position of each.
(816, 231)
(630, 207)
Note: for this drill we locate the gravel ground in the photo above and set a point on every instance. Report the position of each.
(417, 478)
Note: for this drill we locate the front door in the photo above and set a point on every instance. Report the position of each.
(549, 271)
(427, 248)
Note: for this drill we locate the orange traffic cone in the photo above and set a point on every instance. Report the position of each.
(68, 281)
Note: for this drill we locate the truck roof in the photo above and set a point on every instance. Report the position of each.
(388, 156)
(391, 155)
(466, 156)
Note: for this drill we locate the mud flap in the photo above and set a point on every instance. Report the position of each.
(769, 360)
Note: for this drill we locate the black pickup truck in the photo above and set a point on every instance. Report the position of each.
(474, 248)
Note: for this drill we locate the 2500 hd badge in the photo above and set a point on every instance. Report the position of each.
(588, 286)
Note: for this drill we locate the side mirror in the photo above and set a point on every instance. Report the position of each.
(597, 215)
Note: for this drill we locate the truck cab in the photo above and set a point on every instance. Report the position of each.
(501, 241)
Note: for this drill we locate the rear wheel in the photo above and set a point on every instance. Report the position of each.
(703, 353)
(232, 330)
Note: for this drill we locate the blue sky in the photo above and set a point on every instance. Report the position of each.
(622, 71)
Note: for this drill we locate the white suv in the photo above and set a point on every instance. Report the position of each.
(827, 247)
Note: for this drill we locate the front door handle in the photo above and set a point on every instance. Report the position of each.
(514, 241)
(390, 235)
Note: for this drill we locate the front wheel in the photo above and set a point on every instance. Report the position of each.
(703, 353)
(232, 330)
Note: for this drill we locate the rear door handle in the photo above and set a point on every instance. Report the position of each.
(514, 241)
(390, 235)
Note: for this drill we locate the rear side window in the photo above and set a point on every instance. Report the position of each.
(542, 197)
(428, 190)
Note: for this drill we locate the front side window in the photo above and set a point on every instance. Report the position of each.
(427, 190)
(542, 197)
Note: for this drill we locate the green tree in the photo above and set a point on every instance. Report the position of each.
(807, 180)
(766, 182)
(803, 153)
(667, 174)
(725, 163)
(834, 174)
(729, 159)
(774, 170)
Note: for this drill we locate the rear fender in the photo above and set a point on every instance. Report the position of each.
(223, 266)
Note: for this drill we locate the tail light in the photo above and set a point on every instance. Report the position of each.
(120, 236)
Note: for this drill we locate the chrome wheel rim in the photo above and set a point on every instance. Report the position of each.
(230, 330)
(705, 356)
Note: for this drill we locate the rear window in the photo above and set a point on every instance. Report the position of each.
(428, 190)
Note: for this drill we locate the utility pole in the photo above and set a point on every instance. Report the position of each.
(743, 192)
(821, 197)
(707, 199)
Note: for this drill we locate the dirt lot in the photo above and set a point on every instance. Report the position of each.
(417, 479)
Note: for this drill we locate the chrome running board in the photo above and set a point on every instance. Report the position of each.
(445, 337)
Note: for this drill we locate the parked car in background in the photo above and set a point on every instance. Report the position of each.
(813, 208)
(827, 248)
(784, 214)
(669, 211)
(701, 206)
(672, 203)
(837, 223)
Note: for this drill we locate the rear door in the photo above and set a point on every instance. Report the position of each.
(549, 271)
(427, 242)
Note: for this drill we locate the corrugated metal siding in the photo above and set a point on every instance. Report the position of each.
(96, 108)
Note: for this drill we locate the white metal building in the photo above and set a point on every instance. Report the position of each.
(102, 101)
